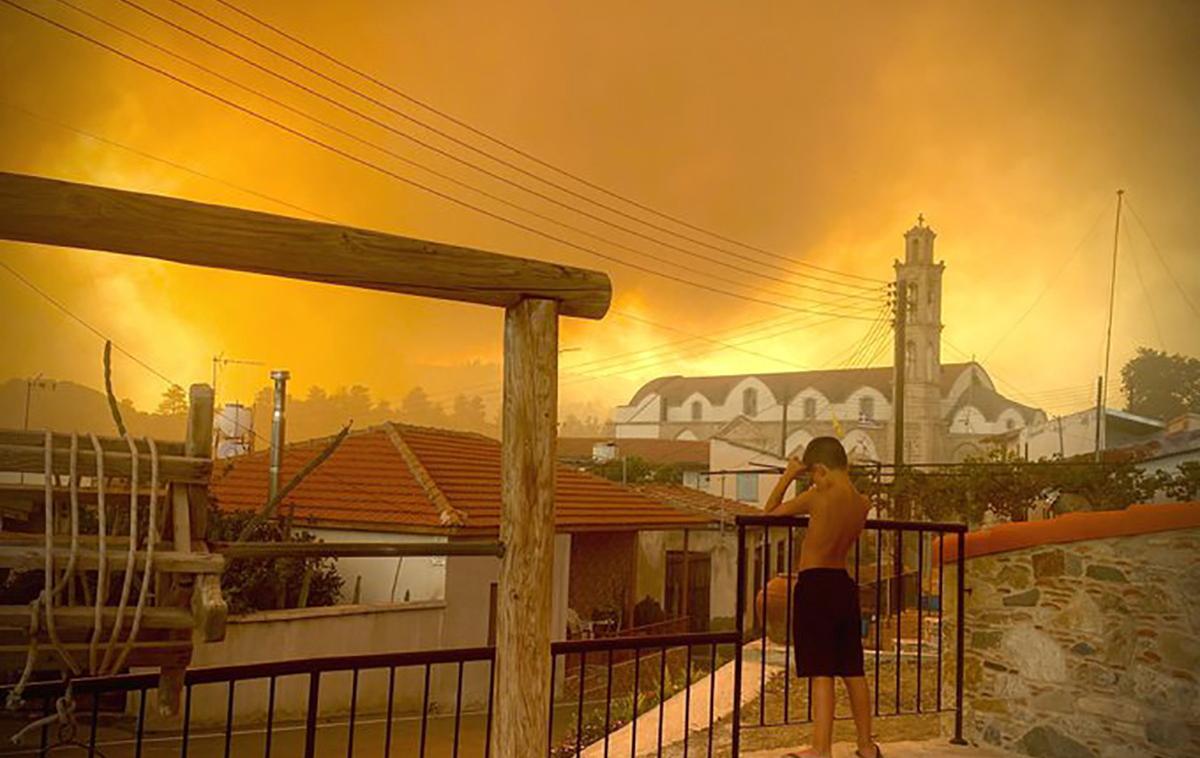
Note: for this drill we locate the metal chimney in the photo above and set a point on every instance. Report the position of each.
(278, 421)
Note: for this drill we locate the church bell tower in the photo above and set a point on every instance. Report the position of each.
(919, 278)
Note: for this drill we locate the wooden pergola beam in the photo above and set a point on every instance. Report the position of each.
(54, 212)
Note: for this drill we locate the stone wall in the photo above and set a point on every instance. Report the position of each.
(1086, 649)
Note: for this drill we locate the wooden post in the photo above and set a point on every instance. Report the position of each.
(523, 607)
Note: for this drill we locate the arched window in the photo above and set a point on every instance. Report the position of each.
(913, 302)
(866, 408)
(810, 407)
(910, 359)
(697, 410)
(749, 402)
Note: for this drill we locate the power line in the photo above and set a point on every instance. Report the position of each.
(170, 382)
(1137, 269)
(159, 159)
(392, 174)
(446, 153)
(772, 323)
(1046, 288)
(50, 299)
(481, 133)
(1163, 261)
(711, 340)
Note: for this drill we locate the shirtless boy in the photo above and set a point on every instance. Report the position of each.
(826, 620)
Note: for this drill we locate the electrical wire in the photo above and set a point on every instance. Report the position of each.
(446, 153)
(1162, 260)
(1046, 288)
(392, 174)
(491, 138)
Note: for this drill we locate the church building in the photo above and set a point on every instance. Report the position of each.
(949, 408)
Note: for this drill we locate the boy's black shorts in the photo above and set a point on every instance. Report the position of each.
(827, 624)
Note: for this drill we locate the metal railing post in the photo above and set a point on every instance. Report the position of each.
(740, 625)
(310, 718)
(960, 617)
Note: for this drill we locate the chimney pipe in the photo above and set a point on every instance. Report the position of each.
(277, 429)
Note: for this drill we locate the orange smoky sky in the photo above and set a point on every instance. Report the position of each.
(812, 131)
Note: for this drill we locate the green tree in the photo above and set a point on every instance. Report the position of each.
(174, 401)
(417, 408)
(257, 584)
(1161, 386)
(469, 414)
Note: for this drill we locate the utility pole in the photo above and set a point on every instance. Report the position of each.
(1061, 452)
(899, 370)
(1102, 439)
(41, 384)
(783, 432)
(1100, 417)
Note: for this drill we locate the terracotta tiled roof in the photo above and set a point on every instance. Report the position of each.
(681, 452)
(445, 478)
(697, 501)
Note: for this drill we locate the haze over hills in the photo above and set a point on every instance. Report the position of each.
(316, 412)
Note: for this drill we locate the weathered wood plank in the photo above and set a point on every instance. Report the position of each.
(26, 558)
(209, 608)
(166, 653)
(62, 440)
(53, 212)
(82, 617)
(523, 603)
(31, 460)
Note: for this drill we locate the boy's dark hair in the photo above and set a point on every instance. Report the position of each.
(827, 451)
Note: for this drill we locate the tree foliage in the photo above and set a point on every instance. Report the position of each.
(635, 470)
(1161, 386)
(174, 401)
(261, 584)
(1010, 487)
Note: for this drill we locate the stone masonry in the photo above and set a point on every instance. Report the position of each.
(1086, 650)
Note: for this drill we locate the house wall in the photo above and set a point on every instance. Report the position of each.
(652, 547)
(603, 566)
(1089, 648)
(420, 579)
(311, 633)
(724, 456)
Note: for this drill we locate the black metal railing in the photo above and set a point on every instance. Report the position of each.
(616, 682)
(904, 593)
(611, 695)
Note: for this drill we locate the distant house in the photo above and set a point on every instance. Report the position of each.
(615, 546)
(691, 457)
(1075, 434)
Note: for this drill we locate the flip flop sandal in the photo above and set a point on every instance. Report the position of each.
(878, 752)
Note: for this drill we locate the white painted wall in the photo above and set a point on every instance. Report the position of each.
(1078, 436)
(423, 579)
(724, 456)
(643, 420)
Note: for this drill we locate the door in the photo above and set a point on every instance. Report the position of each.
(698, 582)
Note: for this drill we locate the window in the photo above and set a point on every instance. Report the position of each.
(749, 402)
(866, 408)
(697, 410)
(810, 407)
(747, 488)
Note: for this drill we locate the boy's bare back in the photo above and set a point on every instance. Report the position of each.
(836, 517)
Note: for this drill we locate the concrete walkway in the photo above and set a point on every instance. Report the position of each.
(673, 710)
(928, 749)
